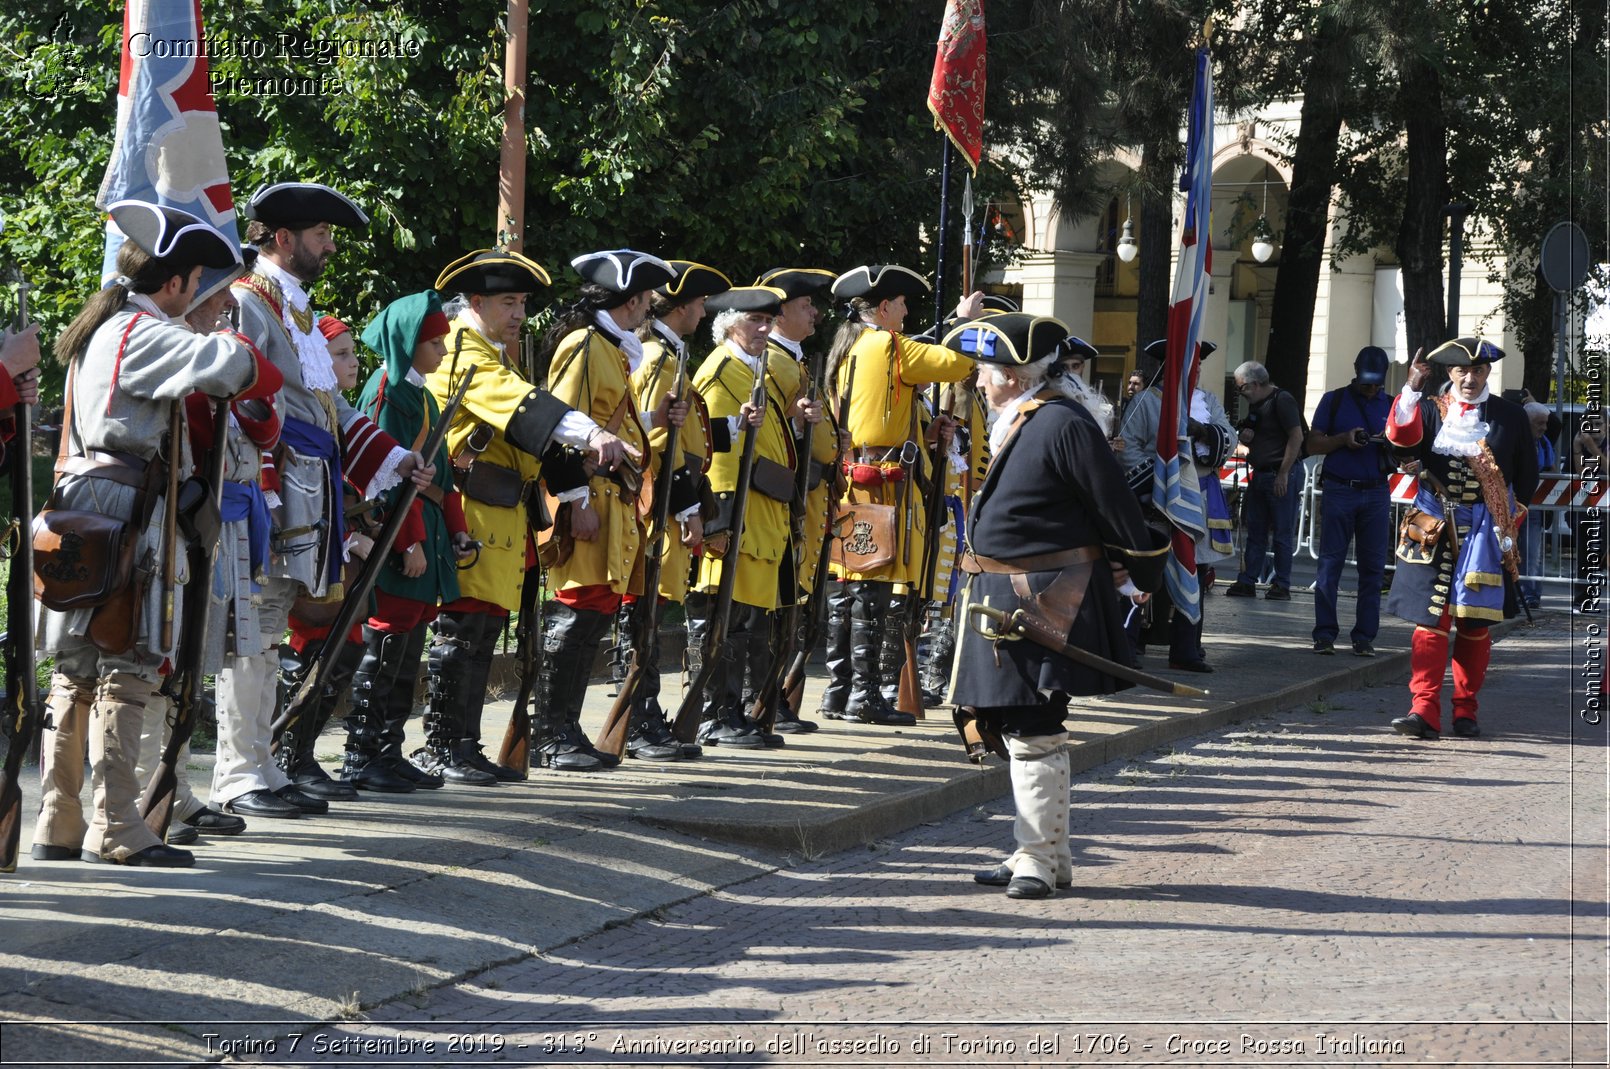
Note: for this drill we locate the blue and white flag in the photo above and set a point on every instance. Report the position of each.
(169, 149)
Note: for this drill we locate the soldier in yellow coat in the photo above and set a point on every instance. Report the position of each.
(498, 440)
(726, 381)
(882, 553)
(675, 311)
(788, 367)
(593, 351)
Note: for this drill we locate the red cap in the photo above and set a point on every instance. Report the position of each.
(331, 327)
(434, 326)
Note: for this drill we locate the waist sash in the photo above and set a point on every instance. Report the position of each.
(307, 439)
(245, 501)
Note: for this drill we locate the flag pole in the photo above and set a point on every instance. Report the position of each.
(511, 163)
(944, 227)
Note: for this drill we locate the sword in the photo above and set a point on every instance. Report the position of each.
(1011, 626)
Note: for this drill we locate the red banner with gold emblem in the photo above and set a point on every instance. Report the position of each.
(956, 94)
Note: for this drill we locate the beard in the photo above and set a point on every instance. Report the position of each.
(305, 264)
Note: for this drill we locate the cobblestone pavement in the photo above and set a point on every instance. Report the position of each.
(1304, 889)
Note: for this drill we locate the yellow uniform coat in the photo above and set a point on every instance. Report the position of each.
(725, 382)
(824, 448)
(498, 396)
(654, 378)
(590, 373)
(889, 370)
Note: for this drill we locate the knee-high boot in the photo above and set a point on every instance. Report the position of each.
(568, 638)
(399, 707)
(295, 754)
(59, 832)
(116, 832)
(1039, 771)
(452, 670)
(840, 670)
(760, 655)
(372, 685)
(648, 736)
(1471, 651)
(724, 721)
(935, 650)
(1428, 660)
(885, 655)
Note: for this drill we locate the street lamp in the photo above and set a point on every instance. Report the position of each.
(1127, 249)
(1263, 245)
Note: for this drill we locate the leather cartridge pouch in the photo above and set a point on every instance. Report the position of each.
(492, 484)
(869, 537)
(81, 558)
(1419, 535)
(556, 543)
(772, 479)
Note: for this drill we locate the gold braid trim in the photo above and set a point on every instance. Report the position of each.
(1495, 495)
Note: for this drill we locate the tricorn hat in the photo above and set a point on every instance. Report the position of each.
(995, 302)
(1466, 352)
(173, 234)
(693, 280)
(1158, 350)
(488, 271)
(1075, 348)
(880, 282)
(299, 205)
(797, 281)
(1011, 339)
(765, 299)
(623, 270)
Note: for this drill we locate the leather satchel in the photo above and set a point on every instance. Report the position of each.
(774, 480)
(1422, 528)
(81, 558)
(869, 537)
(491, 484)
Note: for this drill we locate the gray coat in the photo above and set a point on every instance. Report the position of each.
(161, 362)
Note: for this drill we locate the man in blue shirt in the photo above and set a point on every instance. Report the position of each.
(1348, 429)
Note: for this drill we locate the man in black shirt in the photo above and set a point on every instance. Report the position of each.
(1273, 434)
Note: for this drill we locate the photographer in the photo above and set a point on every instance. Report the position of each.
(1348, 430)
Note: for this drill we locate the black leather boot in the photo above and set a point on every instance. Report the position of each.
(872, 619)
(760, 654)
(366, 717)
(295, 755)
(836, 632)
(725, 723)
(568, 636)
(475, 706)
(935, 651)
(399, 707)
(648, 736)
(452, 667)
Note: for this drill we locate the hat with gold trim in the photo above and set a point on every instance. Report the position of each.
(1010, 339)
(798, 281)
(767, 300)
(693, 280)
(1465, 352)
(490, 271)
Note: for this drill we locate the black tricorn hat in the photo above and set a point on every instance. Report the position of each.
(173, 234)
(880, 282)
(1466, 352)
(488, 271)
(1011, 339)
(766, 299)
(1158, 350)
(797, 281)
(299, 205)
(693, 280)
(623, 270)
(995, 302)
(1074, 347)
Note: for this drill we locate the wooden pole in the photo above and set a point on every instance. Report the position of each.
(511, 165)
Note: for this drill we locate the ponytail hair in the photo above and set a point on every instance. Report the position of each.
(138, 272)
(577, 315)
(855, 321)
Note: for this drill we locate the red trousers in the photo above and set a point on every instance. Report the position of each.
(1428, 657)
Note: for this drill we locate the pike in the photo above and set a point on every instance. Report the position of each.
(645, 616)
(21, 701)
(1004, 626)
(686, 726)
(316, 676)
(922, 594)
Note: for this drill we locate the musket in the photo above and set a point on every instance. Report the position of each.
(515, 752)
(688, 713)
(21, 699)
(184, 686)
(170, 524)
(763, 714)
(317, 675)
(909, 699)
(1014, 625)
(644, 621)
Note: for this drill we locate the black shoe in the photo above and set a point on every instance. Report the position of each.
(690, 750)
(1325, 646)
(773, 740)
(425, 781)
(1276, 592)
(46, 852)
(1415, 727)
(1190, 666)
(320, 785)
(565, 753)
(501, 773)
(212, 822)
(719, 733)
(1465, 727)
(467, 775)
(878, 712)
(644, 747)
(1363, 649)
(263, 803)
(793, 725)
(160, 856)
(830, 714)
(1001, 876)
(180, 834)
(380, 776)
(1238, 589)
(305, 802)
(1028, 887)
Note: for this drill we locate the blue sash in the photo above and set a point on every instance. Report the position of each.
(309, 440)
(244, 501)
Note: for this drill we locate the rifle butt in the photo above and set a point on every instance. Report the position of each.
(612, 737)
(515, 752)
(686, 725)
(910, 698)
(156, 807)
(10, 824)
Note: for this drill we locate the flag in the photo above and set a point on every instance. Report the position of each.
(1175, 486)
(956, 93)
(168, 149)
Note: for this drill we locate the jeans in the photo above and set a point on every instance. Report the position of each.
(1266, 515)
(1364, 518)
(1531, 538)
